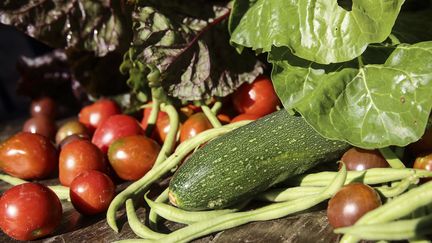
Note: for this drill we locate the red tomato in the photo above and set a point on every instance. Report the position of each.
(133, 156)
(424, 162)
(91, 192)
(42, 125)
(95, 114)
(195, 124)
(70, 128)
(257, 98)
(29, 211)
(361, 159)
(162, 126)
(244, 117)
(28, 156)
(113, 128)
(79, 156)
(350, 203)
(44, 106)
(223, 118)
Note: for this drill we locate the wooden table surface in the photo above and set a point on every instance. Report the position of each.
(305, 227)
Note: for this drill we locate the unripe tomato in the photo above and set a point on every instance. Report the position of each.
(92, 116)
(28, 156)
(44, 106)
(257, 98)
(29, 211)
(70, 128)
(133, 156)
(79, 156)
(113, 128)
(350, 203)
(91, 192)
(195, 124)
(42, 125)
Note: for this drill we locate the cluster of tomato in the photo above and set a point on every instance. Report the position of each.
(356, 199)
(94, 152)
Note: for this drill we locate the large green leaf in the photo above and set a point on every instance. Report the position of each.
(192, 53)
(316, 30)
(376, 105)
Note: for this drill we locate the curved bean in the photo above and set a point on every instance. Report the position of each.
(286, 194)
(185, 217)
(157, 171)
(216, 107)
(211, 116)
(153, 217)
(273, 211)
(137, 227)
(370, 176)
(170, 140)
(152, 118)
(398, 188)
(397, 230)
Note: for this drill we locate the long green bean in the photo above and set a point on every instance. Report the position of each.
(286, 194)
(153, 217)
(273, 211)
(137, 227)
(152, 118)
(211, 116)
(397, 230)
(157, 171)
(170, 140)
(398, 188)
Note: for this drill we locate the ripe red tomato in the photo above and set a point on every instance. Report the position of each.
(42, 125)
(162, 126)
(70, 128)
(350, 203)
(113, 128)
(95, 114)
(79, 156)
(244, 117)
(257, 98)
(29, 211)
(361, 159)
(91, 192)
(423, 162)
(28, 156)
(195, 124)
(133, 156)
(44, 106)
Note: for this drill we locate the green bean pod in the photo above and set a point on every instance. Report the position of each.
(391, 158)
(136, 226)
(370, 176)
(159, 170)
(398, 188)
(286, 194)
(211, 116)
(397, 230)
(185, 217)
(153, 217)
(170, 141)
(273, 211)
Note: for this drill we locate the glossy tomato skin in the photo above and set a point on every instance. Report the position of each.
(72, 138)
(161, 128)
(29, 211)
(44, 106)
(70, 128)
(133, 156)
(358, 159)
(28, 156)
(245, 117)
(350, 203)
(79, 156)
(92, 116)
(42, 125)
(113, 128)
(91, 192)
(423, 162)
(195, 124)
(257, 98)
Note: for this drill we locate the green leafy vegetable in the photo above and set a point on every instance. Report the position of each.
(316, 30)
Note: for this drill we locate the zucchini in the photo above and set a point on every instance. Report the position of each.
(240, 164)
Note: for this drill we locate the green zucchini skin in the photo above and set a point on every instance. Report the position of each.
(240, 164)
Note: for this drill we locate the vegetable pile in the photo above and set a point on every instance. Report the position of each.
(167, 90)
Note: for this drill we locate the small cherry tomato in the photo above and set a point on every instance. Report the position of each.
(71, 138)
(424, 162)
(113, 128)
(162, 126)
(42, 125)
(133, 156)
(244, 117)
(350, 203)
(195, 124)
(44, 106)
(92, 116)
(257, 98)
(70, 128)
(79, 156)
(91, 192)
(28, 156)
(29, 211)
(359, 159)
